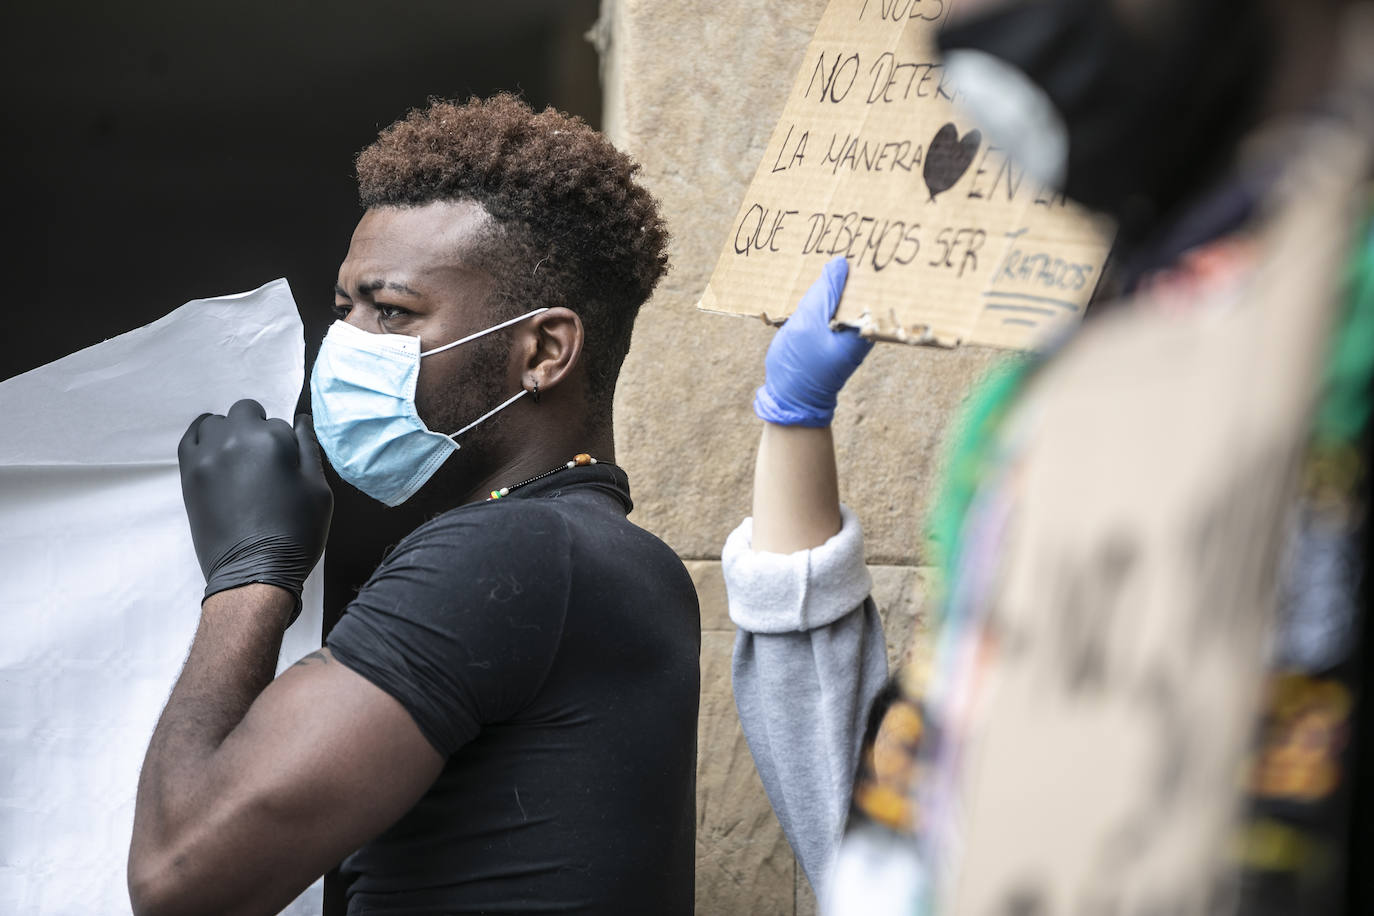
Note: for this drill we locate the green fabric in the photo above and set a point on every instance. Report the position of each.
(1345, 405)
(970, 454)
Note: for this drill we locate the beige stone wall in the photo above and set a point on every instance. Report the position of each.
(692, 90)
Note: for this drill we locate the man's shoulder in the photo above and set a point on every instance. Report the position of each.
(493, 520)
(485, 538)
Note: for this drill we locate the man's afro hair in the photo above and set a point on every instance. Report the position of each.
(572, 227)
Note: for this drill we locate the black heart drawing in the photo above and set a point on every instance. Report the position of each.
(948, 158)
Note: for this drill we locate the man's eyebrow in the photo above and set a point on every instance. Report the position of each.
(372, 286)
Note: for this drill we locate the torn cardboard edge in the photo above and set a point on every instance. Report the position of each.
(917, 334)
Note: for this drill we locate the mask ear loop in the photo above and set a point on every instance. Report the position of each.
(490, 330)
(504, 404)
(490, 413)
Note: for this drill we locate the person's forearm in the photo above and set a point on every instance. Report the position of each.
(796, 492)
(233, 658)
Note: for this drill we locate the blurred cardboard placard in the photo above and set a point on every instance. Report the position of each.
(1111, 670)
(948, 241)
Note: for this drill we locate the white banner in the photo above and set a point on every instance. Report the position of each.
(99, 584)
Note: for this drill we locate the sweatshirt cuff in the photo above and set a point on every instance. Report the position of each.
(792, 592)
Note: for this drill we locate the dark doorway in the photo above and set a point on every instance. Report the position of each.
(165, 151)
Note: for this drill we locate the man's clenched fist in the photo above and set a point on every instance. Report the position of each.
(256, 498)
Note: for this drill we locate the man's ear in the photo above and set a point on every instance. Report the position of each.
(553, 349)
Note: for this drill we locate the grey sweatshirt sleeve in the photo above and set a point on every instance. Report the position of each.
(809, 658)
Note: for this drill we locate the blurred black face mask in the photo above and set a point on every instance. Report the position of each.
(1148, 119)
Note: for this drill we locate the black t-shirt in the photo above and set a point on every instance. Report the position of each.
(550, 650)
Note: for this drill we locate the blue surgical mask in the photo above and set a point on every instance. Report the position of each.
(362, 392)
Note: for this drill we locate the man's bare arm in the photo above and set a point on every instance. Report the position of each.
(252, 787)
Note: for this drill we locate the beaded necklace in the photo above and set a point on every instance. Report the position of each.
(578, 461)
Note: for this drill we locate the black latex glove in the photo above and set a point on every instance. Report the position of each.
(256, 498)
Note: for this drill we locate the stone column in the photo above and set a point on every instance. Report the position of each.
(692, 90)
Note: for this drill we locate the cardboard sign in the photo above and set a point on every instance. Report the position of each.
(949, 242)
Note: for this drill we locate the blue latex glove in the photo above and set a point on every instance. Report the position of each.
(808, 363)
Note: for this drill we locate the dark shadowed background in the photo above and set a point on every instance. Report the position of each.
(167, 151)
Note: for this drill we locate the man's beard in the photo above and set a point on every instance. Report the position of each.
(477, 388)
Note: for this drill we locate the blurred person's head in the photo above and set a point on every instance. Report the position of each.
(1132, 106)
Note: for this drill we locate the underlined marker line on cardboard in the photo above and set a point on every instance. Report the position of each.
(871, 159)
